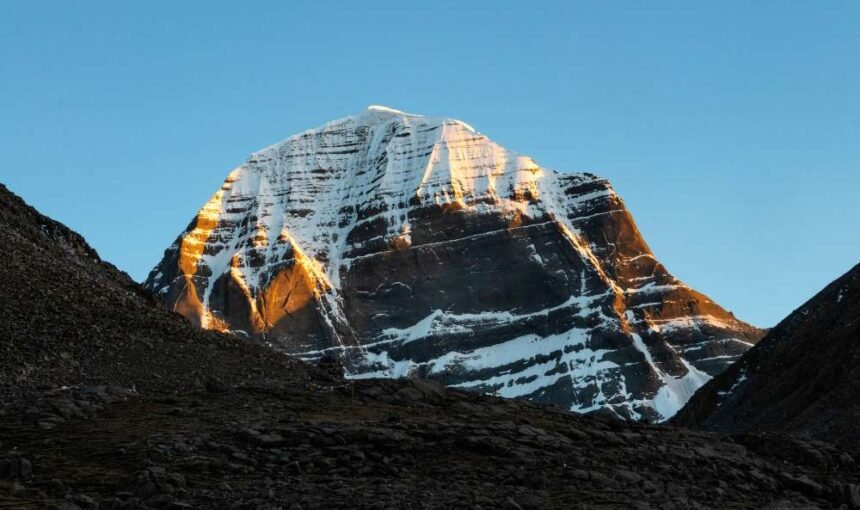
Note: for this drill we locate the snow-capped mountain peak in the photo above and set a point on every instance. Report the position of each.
(412, 244)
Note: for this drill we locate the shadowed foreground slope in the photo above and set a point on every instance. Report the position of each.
(803, 378)
(66, 317)
(216, 423)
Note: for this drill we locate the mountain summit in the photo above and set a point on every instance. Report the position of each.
(413, 245)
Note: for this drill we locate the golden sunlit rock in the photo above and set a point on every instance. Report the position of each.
(194, 242)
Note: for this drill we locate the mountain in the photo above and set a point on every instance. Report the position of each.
(415, 245)
(802, 378)
(108, 401)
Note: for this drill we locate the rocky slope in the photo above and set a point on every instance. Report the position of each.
(803, 377)
(378, 444)
(217, 423)
(415, 245)
(67, 318)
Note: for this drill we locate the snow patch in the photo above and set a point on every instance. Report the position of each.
(676, 391)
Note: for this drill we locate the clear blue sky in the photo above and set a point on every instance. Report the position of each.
(731, 129)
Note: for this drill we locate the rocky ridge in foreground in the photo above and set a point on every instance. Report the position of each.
(394, 444)
(69, 318)
(803, 378)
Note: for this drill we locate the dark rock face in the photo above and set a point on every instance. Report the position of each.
(803, 377)
(415, 246)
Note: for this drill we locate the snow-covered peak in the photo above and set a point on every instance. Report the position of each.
(380, 159)
(374, 117)
(388, 221)
(379, 113)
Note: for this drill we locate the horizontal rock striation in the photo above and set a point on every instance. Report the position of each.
(415, 245)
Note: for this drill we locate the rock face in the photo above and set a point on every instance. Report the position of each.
(415, 245)
(803, 377)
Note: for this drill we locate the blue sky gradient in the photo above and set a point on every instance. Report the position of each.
(731, 129)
